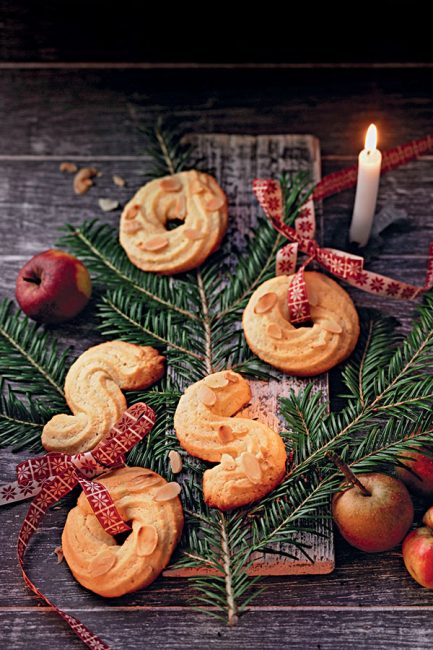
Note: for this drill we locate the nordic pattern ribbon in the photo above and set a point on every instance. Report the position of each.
(343, 265)
(48, 478)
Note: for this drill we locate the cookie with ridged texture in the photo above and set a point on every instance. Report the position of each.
(251, 457)
(192, 197)
(305, 350)
(93, 391)
(154, 512)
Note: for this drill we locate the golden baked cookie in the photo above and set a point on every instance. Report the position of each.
(93, 390)
(154, 512)
(302, 350)
(192, 197)
(251, 457)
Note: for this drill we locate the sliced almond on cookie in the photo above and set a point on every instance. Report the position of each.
(197, 187)
(227, 461)
(274, 331)
(180, 208)
(225, 433)
(215, 203)
(265, 302)
(313, 297)
(175, 461)
(155, 244)
(144, 480)
(167, 492)
(251, 467)
(216, 381)
(193, 234)
(147, 540)
(102, 563)
(332, 326)
(170, 184)
(131, 227)
(132, 212)
(206, 396)
(232, 377)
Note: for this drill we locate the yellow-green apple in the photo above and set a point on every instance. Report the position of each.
(422, 481)
(376, 518)
(53, 287)
(418, 552)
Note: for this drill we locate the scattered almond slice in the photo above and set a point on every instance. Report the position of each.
(225, 433)
(155, 244)
(227, 461)
(107, 205)
(68, 167)
(175, 461)
(216, 381)
(83, 179)
(131, 227)
(274, 331)
(170, 184)
(332, 326)
(232, 377)
(313, 297)
(144, 480)
(250, 465)
(167, 492)
(132, 212)
(147, 540)
(265, 302)
(102, 563)
(197, 187)
(180, 208)
(215, 203)
(119, 181)
(193, 234)
(59, 552)
(206, 396)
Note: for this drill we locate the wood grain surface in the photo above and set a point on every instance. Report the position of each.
(47, 116)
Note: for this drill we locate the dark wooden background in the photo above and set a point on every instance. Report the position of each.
(60, 100)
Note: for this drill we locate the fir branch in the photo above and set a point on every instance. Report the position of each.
(21, 420)
(167, 149)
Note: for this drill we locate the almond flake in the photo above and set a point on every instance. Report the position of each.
(265, 302)
(225, 433)
(193, 234)
(232, 377)
(131, 227)
(59, 552)
(107, 205)
(175, 461)
(180, 208)
(227, 461)
(206, 396)
(274, 331)
(313, 297)
(83, 179)
(251, 467)
(170, 184)
(132, 212)
(215, 203)
(68, 167)
(147, 540)
(144, 480)
(167, 492)
(102, 563)
(216, 381)
(155, 244)
(332, 326)
(119, 181)
(197, 187)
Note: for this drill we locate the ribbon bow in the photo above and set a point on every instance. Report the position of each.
(343, 265)
(48, 478)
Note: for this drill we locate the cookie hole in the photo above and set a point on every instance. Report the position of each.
(308, 323)
(122, 537)
(172, 224)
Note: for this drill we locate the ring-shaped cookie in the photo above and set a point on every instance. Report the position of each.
(192, 197)
(251, 457)
(304, 350)
(153, 509)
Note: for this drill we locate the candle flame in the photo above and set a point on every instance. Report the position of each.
(371, 138)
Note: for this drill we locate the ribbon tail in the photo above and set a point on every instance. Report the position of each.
(286, 259)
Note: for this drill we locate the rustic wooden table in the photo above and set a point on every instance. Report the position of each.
(90, 114)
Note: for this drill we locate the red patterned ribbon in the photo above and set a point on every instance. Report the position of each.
(55, 474)
(391, 159)
(343, 265)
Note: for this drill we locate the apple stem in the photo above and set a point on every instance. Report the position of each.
(34, 280)
(345, 469)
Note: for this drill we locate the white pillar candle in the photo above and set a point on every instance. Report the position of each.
(369, 162)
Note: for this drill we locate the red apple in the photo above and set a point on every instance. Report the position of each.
(53, 287)
(378, 521)
(418, 552)
(422, 465)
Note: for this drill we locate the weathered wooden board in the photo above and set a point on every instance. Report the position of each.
(236, 160)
